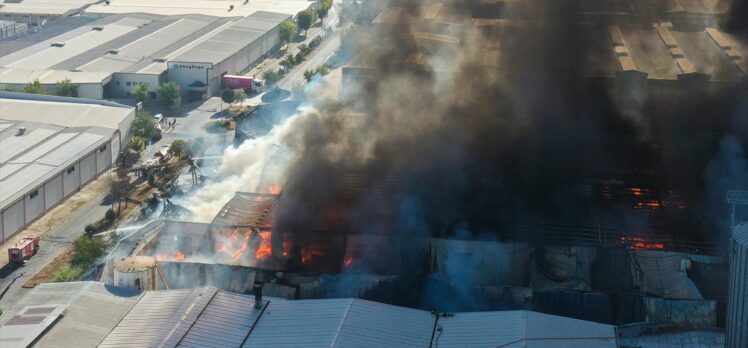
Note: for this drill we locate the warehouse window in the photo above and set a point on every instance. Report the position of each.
(102, 149)
(71, 170)
(128, 83)
(33, 194)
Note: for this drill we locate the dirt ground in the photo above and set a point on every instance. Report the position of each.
(46, 274)
(57, 215)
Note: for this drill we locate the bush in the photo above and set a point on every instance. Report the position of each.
(299, 57)
(290, 59)
(315, 42)
(305, 49)
(272, 76)
(90, 229)
(86, 251)
(151, 180)
(110, 215)
(67, 274)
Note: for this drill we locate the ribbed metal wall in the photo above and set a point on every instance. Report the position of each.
(737, 303)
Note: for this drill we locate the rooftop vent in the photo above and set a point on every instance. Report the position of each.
(159, 60)
(112, 51)
(58, 44)
(21, 131)
(97, 28)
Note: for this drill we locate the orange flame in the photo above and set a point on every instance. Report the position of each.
(348, 260)
(641, 243)
(226, 247)
(179, 256)
(264, 249)
(274, 189)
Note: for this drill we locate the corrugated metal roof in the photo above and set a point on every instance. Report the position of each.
(372, 324)
(233, 38)
(146, 323)
(65, 114)
(206, 317)
(521, 329)
(225, 322)
(248, 209)
(42, 151)
(307, 323)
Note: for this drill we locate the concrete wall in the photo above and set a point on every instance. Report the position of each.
(122, 84)
(13, 219)
(53, 192)
(103, 158)
(71, 179)
(34, 204)
(187, 73)
(88, 168)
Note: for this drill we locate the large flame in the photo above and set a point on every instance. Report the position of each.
(264, 249)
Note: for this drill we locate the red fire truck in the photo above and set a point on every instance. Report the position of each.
(24, 250)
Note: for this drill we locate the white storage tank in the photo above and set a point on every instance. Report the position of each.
(737, 301)
(136, 272)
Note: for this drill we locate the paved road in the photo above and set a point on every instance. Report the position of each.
(50, 246)
(193, 124)
(315, 59)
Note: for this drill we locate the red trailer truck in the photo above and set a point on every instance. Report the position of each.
(24, 250)
(241, 82)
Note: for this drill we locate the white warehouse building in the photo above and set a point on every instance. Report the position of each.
(50, 147)
(107, 57)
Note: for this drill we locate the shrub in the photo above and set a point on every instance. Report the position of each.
(67, 274)
(305, 49)
(90, 229)
(86, 251)
(110, 215)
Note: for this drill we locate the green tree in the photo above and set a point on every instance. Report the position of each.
(140, 92)
(321, 70)
(288, 30)
(9, 88)
(179, 148)
(66, 88)
(33, 88)
(87, 250)
(144, 126)
(137, 144)
(239, 96)
(323, 8)
(167, 95)
(305, 19)
(228, 95)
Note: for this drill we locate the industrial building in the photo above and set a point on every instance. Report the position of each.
(737, 303)
(89, 314)
(9, 29)
(38, 12)
(108, 57)
(216, 8)
(50, 147)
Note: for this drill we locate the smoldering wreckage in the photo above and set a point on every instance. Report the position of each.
(506, 163)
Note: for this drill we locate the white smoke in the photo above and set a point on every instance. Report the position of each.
(254, 166)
